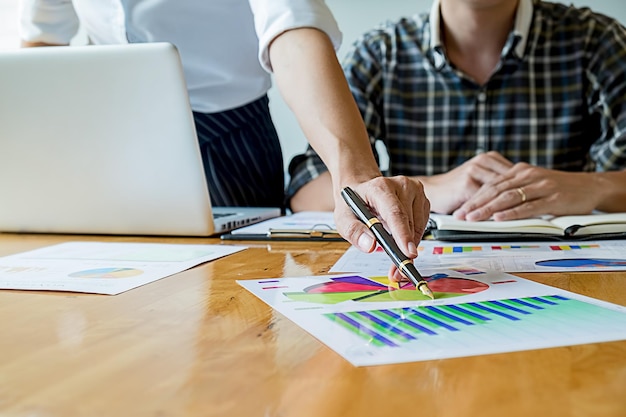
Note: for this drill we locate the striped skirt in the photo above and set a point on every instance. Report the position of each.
(242, 156)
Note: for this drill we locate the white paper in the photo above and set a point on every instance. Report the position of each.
(102, 267)
(474, 313)
(304, 220)
(605, 255)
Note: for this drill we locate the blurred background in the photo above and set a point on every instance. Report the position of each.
(354, 17)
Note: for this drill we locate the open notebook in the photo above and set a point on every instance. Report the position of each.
(101, 140)
(581, 227)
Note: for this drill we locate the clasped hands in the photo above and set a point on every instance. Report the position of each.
(489, 186)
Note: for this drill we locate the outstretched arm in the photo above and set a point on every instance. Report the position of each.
(312, 83)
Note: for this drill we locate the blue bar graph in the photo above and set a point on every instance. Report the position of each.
(507, 320)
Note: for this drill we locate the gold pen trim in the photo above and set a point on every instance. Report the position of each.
(371, 222)
(421, 285)
(404, 263)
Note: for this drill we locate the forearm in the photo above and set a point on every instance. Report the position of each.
(447, 194)
(27, 44)
(316, 195)
(611, 190)
(436, 191)
(312, 83)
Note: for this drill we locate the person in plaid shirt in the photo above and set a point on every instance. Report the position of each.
(502, 109)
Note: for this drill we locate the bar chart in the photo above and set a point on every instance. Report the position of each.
(517, 321)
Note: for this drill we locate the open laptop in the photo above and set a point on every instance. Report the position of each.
(101, 140)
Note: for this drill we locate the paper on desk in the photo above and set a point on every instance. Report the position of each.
(474, 313)
(102, 267)
(308, 220)
(605, 255)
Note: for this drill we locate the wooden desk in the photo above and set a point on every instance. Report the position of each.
(197, 344)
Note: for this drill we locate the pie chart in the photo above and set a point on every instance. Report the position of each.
(377, 289)
(582, 263)
(107, 273)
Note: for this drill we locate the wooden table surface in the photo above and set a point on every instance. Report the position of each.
(197, 344)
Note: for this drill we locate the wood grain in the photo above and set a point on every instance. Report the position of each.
(197, 344)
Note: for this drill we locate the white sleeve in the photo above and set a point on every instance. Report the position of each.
(49, 21)
(273, 17)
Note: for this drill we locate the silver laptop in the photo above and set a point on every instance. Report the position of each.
(101, 140)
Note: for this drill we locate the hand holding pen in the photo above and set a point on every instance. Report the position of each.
(385, 240)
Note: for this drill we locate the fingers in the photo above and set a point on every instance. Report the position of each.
(352, 229)
(395, 275)
(493, 163)
(448, 191)
(484, 168)
(398, 202)
(492, 199)
(527, 191)
(508, 205)
(403, 208)
(521, 193)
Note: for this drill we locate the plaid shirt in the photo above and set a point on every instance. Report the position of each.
(557, 99)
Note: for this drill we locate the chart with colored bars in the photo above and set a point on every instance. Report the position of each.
(520, 321)
(609, 255)
(452, 249)
(443, 250)
(370, 322)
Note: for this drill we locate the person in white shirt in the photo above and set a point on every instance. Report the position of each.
(228, 49)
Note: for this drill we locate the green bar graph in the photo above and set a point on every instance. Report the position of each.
(527, 321)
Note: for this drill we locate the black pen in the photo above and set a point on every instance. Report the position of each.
(385, 240)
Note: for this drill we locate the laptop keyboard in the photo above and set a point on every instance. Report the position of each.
(218, 215)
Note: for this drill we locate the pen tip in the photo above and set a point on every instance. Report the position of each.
(423, 287)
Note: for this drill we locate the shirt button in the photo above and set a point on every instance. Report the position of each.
(479, 151)
(482, 96)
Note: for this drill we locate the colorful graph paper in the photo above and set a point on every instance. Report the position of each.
(573, 247)
(519, 320)
(445, 250)
(369, 322)
(514, 247)
(509, 257)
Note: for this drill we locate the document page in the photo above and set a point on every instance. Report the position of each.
(102, 267)
(370, 322)
(305, 220)
(605, 255)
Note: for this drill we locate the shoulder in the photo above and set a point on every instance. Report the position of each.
(566, 32)
(561, 18)
(396, 35)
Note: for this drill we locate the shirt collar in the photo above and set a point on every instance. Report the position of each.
(521, 28)
(436, 45)
(523, 19)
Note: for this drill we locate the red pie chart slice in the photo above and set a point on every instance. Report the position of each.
(356, 288)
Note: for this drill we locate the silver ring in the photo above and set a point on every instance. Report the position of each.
(522, 194)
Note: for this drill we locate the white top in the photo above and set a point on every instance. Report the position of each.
(218, 40)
